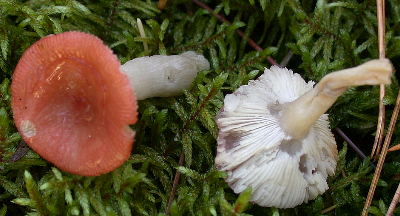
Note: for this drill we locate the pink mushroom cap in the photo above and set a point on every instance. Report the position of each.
(72, 104)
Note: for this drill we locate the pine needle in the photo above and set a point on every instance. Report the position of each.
(381, 118)
(394, 202)
(394, 148)
(380, 4)
(382, 156)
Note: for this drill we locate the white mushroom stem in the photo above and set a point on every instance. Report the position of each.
(298, 116)
(163, 76)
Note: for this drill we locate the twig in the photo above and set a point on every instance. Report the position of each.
(328, 209)
(251, 42)
(175, 184)
(381, 118)
(382, 156)
(351, 143)
(394, 202)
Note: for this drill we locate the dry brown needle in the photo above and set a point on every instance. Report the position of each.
(394, 202)
(382, 156)
(380, 4)
(381, 118)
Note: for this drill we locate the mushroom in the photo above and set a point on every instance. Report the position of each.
(73, 105)
(275, 138)
(164, 76)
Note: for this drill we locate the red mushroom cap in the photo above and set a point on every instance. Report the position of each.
(73, 105)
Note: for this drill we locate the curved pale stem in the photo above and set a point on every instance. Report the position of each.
(298, 116)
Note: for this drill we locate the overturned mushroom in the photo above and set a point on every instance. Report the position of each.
(274, 136)
(73, 105)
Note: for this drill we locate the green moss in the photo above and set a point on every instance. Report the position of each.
(323, 35)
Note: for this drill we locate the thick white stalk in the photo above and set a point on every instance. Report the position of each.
(298, 116)
(163, 76)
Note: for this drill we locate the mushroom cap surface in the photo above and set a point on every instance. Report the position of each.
(72, 104)
(256, 152)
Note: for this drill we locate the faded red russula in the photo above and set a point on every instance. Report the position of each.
(73, 105)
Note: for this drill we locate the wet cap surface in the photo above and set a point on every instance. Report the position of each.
(72, 105)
